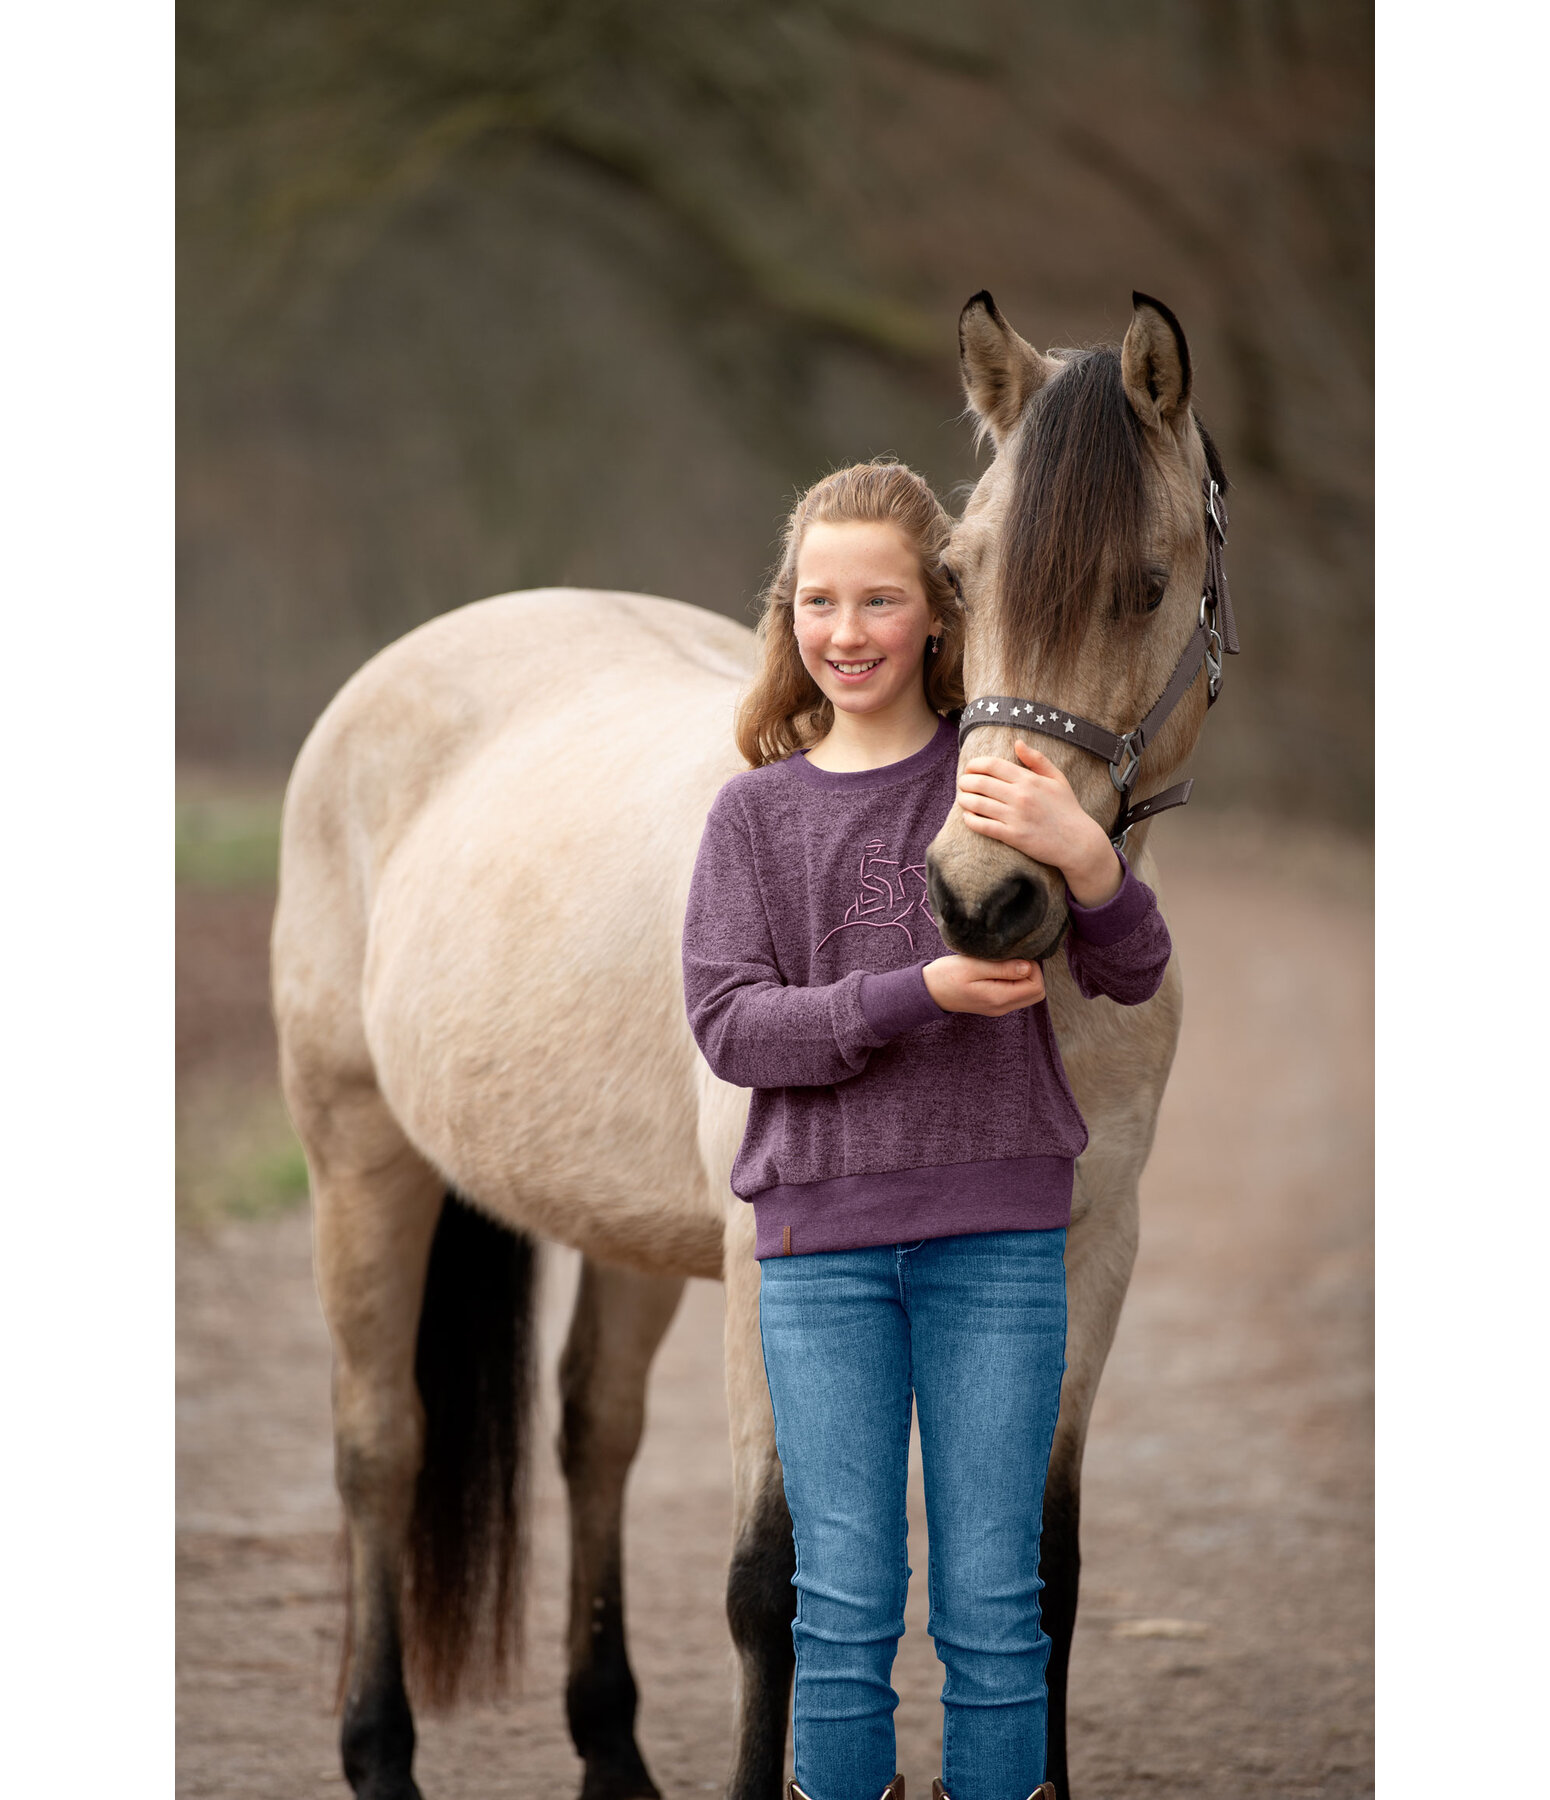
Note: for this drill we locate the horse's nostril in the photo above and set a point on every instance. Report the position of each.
(1014, 911)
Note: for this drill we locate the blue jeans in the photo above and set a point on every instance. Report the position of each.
(975, 1328)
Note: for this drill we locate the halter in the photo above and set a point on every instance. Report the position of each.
(1123, 752)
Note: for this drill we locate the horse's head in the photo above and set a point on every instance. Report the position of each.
(1082, 555)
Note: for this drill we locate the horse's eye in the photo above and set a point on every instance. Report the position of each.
(1155, 586)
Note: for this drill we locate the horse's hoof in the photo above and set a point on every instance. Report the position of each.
(618, 1778)
(388, 1787)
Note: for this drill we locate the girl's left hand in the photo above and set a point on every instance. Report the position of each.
(1029, 805)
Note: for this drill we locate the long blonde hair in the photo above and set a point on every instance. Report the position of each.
(784, 709)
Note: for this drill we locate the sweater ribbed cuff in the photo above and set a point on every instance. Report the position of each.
(1118, 916)
(895, 1002)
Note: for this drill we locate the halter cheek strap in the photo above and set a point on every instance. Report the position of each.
(1215, 632)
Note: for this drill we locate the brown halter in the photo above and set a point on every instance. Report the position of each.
(1215, 633)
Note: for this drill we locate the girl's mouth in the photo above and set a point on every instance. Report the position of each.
(854, 671)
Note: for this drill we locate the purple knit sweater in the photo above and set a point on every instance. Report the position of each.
(876, 1117)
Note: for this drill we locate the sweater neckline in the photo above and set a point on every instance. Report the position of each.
(892, 774)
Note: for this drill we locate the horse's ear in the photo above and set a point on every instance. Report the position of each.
(1154, 361)
(1001, 373)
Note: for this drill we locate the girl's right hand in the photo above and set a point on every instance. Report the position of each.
(973, 984)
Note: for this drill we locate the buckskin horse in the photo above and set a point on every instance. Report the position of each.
(485, 853)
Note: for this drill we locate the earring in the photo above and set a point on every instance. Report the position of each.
(936, 644)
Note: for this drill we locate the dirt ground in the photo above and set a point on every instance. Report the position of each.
(1224, 1647)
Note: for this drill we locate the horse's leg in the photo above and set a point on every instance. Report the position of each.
(376, 1205)
(1100, 1253)
(761, 1602)
(618, 1322)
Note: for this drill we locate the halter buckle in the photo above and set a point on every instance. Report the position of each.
(1122, 771)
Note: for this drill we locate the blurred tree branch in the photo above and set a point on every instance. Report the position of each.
(328, 124)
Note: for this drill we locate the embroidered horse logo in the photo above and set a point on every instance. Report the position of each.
(889, 895)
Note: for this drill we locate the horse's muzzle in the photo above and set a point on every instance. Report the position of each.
(1011, 920)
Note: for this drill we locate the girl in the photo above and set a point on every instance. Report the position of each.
(911, 1136)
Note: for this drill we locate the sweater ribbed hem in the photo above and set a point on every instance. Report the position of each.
(896, 1001)
(1116, 917)
(905, 1206)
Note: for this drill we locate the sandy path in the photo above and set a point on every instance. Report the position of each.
(1228, 1485)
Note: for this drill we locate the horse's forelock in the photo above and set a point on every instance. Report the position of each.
(1078, 494)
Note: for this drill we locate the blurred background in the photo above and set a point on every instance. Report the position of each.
(490, 294)
(498, 293)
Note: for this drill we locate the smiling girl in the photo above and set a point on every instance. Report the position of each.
(911, 1137)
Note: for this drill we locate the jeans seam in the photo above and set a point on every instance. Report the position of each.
(796, 1552)
(904, 1491)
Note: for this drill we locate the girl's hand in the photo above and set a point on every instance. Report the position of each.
(972, 984)
(1029, 805)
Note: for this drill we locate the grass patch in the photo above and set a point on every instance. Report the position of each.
(228, 841)
(237, 1156)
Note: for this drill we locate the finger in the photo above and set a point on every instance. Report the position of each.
(1012, 968)
(1011, 993)
(1035, 760)
(992, 968)
(992, 765)
(1023, 984)
(984, 784)
(991, 806)
(1014, 999)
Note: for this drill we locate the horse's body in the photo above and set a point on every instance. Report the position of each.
(487, 846)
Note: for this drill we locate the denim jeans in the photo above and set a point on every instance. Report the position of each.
(975, 1328)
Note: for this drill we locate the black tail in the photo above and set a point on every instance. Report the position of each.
(467, 1538)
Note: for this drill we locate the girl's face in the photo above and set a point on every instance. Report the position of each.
(861, 614)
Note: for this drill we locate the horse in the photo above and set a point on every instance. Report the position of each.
(486, 847)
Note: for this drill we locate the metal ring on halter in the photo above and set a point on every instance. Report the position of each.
(1122, 771)
(1207, 605)
(1214, 515)
(1213, 661)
